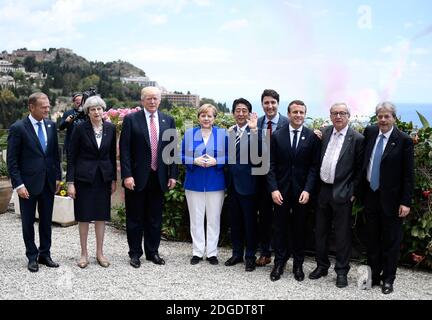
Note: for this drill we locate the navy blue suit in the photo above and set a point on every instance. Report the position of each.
(396, 185)
(28, 164)
(144, 204)
(292, 173)
(265, 216)
(242, 189)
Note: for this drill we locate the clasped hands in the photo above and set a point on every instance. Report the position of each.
(205, 161)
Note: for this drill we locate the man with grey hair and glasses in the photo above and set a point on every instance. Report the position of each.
(340, 176)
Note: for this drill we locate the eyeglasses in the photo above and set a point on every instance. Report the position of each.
(340, 113)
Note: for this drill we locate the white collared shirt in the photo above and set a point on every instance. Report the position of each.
(334, 157)
(274, 122)
(291, 130)
(34, 122)
(155, 119)
(240, 130)
(386, 138)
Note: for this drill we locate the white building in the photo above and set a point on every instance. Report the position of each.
(141, 81)
(7, 81)
(6, 67)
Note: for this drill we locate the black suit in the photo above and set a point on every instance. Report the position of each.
(334, 200)
(92, 169)
(70, 126)
(292, 173)
(145, 203)
(396, 186)
(265, 202)
(28, 164)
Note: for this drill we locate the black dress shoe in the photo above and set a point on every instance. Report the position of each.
(233, 261)
(213, 260)
(277, 271)
(318, 273)
(298, 273)
(341, 281)
(135, 262)
(157, 260)
(250, 265)
(195, 260)
(33, 266)
(387, 288)
(48, 262)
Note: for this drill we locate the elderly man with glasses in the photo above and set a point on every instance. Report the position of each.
(340, 176)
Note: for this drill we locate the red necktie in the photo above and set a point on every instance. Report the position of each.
(153, 142)
(269, 127)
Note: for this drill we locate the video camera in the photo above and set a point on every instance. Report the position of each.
(77, 115)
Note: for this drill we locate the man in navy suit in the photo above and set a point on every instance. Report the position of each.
(389, 172)
(34, 167)
(294, 169)
(242, 186)
(146, 176)
(271, 122)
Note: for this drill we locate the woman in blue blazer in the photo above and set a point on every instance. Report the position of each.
(204, 152)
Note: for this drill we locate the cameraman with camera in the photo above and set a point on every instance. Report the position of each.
(71, 118)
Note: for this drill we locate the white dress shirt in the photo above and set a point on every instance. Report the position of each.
(332, 156)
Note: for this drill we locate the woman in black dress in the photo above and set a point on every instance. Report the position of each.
(91, 175)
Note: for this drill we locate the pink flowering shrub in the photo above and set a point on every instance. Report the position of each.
(116, 116)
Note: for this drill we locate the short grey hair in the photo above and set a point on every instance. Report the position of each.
(94, 101)
(386, 106)
(341, 104)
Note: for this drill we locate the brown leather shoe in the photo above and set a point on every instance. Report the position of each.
(262, 261)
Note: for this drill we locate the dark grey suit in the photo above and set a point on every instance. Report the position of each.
(334, 200)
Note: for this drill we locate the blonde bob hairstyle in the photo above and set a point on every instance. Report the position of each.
(207, 108)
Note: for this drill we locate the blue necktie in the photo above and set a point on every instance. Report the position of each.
(294, 144)
(41, 136)
(375, 174)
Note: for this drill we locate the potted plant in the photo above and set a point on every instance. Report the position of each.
(5, 187)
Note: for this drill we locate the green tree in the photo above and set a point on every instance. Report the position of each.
(87, 82)
(30, 63)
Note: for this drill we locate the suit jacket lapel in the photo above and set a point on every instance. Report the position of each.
(90, 133)
(390, 144)
(32, 133)
(162, 126)
(144, 127)
(302, 137)
(347, 141)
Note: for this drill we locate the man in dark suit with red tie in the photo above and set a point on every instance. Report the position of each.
(34, 167)
(294, 169)
(146, 175)
(389, 172)
(267, 124)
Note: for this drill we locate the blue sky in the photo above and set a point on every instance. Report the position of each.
(318, 51)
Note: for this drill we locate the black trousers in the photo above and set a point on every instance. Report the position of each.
(339, 215)
(290, 230)
(45, 203)
(243, 223)
(265, 222)
(144, 218)
(384, 238)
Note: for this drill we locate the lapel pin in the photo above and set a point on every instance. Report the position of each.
(393, 144)
(163, 120)
(303, 138)
(49, 126)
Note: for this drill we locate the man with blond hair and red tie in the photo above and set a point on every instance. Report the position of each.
(146, 176)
